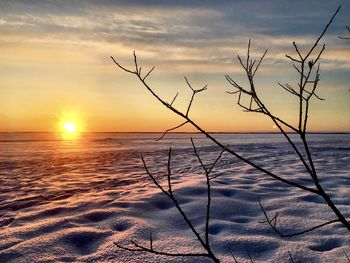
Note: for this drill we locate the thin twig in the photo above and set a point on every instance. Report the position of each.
(290, 256)
(250, 258)
(170, 195)
(149, 72)
(140, 248)
(171, 129)
(346, 255)
(274, 227)
(207, 217)
(322, 34)
(169, 173)
(172, 102)
(261, 59)
(194, 92)
(228, 248)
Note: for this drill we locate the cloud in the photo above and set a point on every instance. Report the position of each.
(203, 34)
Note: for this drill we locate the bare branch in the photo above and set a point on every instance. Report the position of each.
(153, 179)
(173, 199)
(288, 88)
(189, 84)
(150, 240)
(171, 129)
(322, 34)
(307, 89)
(291, 258)
(172, 102)
(228, 248)
(248, 51)
(207, 218)
(273, 224)
(297, 50)
(139, 248)
(257, 66)
(241, 62)
(250, 258)
(314, 94)
(346, 255)
(169, 173)
(293, 59)
(348, 28)
(148, 73)
(120, 66)
(135, 62)
(318, 56)
(217, 159)
(254, 99)
(190, 104)
(298, 70)
(170, 195)
(198, 157)
(237, 86)
(140, 69)
(233, 92)
(194, 92)
(188, 120)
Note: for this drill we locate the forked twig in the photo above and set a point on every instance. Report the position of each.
(272, 222)
(171, 129)
(194, 92)
(208, 178)
(169, 193)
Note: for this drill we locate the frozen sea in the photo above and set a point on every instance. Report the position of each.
(70, 201)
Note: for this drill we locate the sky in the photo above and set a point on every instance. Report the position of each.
(55, 63)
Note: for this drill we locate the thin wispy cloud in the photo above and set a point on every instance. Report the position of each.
(170, 30)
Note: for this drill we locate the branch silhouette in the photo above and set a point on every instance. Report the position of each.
(205, 243)
(272, 222)
(348, 29)
(307, 66)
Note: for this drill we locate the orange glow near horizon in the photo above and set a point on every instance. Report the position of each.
(51, 73)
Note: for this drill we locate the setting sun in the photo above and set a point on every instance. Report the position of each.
(70, 127)
(70, 130)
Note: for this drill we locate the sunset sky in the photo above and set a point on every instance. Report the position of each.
(55, 62)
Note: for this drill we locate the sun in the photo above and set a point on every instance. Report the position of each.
(70, 130)
(70, 127)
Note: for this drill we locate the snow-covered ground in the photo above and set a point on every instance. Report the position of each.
(64, 201)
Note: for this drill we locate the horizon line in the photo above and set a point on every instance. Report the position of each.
(194, 132)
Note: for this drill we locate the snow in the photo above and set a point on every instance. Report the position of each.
(71, 201)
